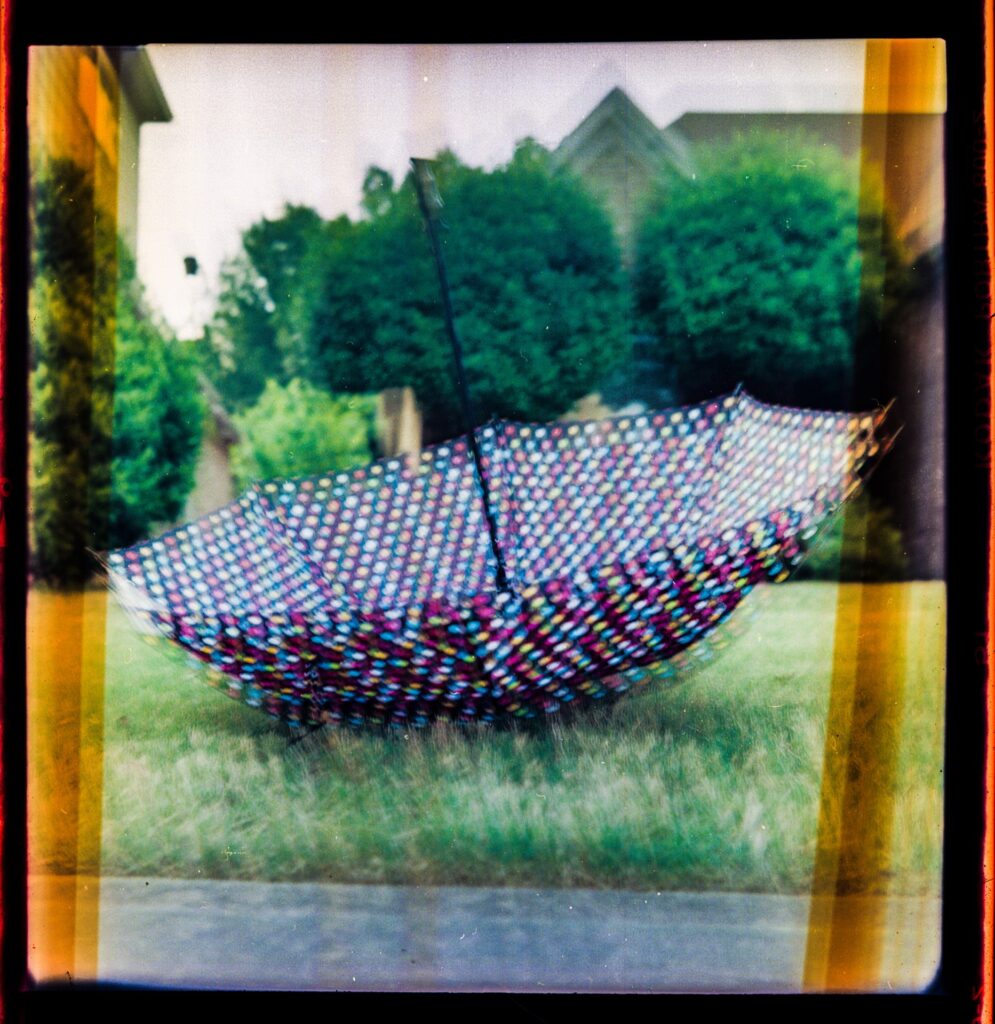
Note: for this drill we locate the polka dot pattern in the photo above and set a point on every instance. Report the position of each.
(372, 594)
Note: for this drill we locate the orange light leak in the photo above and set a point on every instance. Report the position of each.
(845, 948)
(73, 114)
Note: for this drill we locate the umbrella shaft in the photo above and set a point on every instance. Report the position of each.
(464, 390)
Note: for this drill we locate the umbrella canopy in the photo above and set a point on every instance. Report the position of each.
(405, 590)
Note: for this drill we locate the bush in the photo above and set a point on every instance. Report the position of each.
(767, 269)
(298, 430)
(158, 424)
(116, 415)
(871, 549)
(536, 288)
(536, 283)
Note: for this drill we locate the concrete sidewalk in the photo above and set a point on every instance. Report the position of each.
(286, 936)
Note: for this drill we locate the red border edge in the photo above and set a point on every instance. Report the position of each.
(985, 1006)
(5, 124)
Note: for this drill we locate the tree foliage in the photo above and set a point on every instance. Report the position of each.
(266, 290)
(298, 430)
(354, 306)
(158, 423)
(116, 416)
(770, 269)
(536, 289)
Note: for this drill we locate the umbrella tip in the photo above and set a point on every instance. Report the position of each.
(425, 182)
(889, 442)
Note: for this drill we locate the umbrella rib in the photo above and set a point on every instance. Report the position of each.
(265, 514)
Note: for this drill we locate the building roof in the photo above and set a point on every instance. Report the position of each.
(140, 84)
(617, 123)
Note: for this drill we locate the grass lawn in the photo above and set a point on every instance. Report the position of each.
(709, 782)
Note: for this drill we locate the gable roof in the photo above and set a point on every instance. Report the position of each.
(617, 124)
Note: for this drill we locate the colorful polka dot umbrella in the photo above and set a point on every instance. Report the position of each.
(376, 594)
(507, 573)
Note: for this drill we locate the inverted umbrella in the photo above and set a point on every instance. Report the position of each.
(508, 572)
(375, 593)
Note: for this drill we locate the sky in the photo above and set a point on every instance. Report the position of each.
(255, 127)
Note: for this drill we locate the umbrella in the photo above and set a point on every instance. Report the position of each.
(377, 593)
(511, 571)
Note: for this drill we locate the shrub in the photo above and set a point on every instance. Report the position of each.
(767, 269)
(871, 549)
(298, 430)
(536, 288)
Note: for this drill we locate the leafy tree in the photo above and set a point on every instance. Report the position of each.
(296, 430)
(158, 422)
(536, 288)
(767, 269)
(115, 413)
(263, 291)
(378, 191)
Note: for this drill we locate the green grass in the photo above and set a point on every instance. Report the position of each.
(711, 782)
